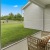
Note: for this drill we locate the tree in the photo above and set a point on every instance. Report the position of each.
(11, 16)
(18, 17)
(4, 17)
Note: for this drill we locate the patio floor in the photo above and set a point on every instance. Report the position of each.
(21, 45)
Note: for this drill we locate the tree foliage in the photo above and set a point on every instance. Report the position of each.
(11, 16)
(18, 16)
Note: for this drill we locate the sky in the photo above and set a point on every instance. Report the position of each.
(14, 6)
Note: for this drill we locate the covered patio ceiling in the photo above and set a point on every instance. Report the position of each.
(41, 3)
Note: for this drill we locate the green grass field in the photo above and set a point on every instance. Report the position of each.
(14, 31)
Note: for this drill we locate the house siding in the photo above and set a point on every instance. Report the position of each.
(47, 19)
(33, 17)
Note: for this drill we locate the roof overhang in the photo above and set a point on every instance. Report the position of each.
(26, 5)
(41, 3)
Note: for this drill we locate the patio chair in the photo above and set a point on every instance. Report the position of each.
(32, 43)
(43, 43)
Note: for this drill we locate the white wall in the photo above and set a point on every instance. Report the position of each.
(47, 19)
(33, 17)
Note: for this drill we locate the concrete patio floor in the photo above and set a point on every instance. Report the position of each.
(17, 46)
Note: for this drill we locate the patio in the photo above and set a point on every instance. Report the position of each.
(29, 43)
(35, 22)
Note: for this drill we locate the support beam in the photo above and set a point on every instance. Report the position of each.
(43, 19)
(47, 6)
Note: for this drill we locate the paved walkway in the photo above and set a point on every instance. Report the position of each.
(20, 46)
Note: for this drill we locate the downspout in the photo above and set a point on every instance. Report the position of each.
(43, 19)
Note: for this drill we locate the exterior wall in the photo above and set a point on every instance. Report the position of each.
(33, 17)
(47, 19)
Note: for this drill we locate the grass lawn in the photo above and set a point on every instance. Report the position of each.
(12, 32)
